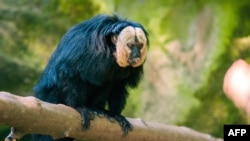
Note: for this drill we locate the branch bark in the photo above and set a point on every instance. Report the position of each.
(30, 115)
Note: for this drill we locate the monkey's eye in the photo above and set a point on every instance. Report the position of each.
(140, 45)
(131, 45)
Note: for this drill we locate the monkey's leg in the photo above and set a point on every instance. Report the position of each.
(116, 102)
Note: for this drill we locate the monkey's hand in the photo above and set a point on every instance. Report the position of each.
(124, 123)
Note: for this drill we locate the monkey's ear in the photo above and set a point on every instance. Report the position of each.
(114, 39)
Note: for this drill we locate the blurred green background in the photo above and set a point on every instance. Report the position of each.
(192, 44)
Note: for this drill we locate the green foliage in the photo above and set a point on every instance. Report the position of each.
(243, 21)
(15, 77)
(215, 108)
(78, 9)
(38, 25)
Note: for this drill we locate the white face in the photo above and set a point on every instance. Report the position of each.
(131, 47)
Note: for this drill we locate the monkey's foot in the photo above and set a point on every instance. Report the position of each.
(87, 115)
(124, 123)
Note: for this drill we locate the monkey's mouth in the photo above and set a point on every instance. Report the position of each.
(134, 61)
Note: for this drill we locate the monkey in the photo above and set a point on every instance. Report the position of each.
(94, 64)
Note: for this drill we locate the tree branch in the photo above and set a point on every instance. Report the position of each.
(30, 115)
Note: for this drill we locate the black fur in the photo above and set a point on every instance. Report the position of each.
(82, 72)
